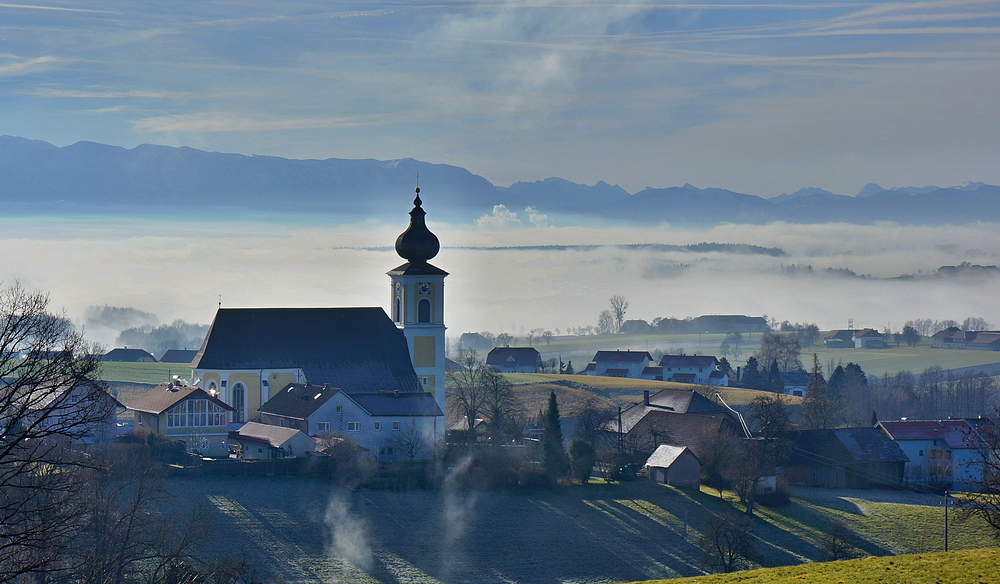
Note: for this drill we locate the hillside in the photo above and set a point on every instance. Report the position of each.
(309, 531)
(90, 178)
(967, 566)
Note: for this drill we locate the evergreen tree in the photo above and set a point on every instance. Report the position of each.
(569, 367)
(554, 458)
(752, 378)
(774, 380)
(821, 407)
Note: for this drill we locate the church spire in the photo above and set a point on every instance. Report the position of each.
(417, 244)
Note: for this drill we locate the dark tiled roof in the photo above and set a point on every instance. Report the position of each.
(955, 433)
(662, 427)
(842, 446)
(387, 403)
(356, 349)
(688, 361)
(513, 357)
(652, 370)
(164, 396)
(681, 401)
(952, 332)
(298, 400)
(128, 355)
(417, 269)
(590, 367)
(622, 356)
(178, 356)
(841, 335)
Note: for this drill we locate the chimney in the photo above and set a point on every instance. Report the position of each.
(645, 397)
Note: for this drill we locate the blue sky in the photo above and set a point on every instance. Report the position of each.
(758, 97)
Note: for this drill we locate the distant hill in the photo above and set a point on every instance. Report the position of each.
(39, 178)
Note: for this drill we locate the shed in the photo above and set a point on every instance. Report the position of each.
(853, 458)
(674, 465)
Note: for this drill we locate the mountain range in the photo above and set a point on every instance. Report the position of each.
(86, 177)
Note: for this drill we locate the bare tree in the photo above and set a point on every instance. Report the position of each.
(605, 323)
(983, 498)
(465, 398)
(975, 323)
(50, 397)
(501, 406)
(619, 304)
(785, 349)
(727, 542)
(547, 337)
(409, 441)
(504, 340)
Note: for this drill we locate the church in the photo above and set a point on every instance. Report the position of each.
(250, 355)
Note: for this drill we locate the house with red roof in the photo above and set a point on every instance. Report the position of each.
(942, 453)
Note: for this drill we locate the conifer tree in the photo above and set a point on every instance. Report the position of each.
(554, 458)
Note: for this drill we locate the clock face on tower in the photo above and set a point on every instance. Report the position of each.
(424, 288)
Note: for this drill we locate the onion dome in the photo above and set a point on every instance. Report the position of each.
(417, 244)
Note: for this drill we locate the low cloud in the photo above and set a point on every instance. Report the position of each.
(502, 218)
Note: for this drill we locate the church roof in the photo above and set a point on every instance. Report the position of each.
(356, 349)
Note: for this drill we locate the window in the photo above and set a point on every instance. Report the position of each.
(424, 311)
(238, 401)
(385, 451)
(260, 450)
(353, 426)
(920, 453)
(423, 380)
(377, 426)
(195, 412)
(395, 425)
(206, 444)
(323, 426)
(339, 409)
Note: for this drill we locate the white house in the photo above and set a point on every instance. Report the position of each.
(515, 360)
(387, 423)
(697, 369)
(941, 452)
(619, 364)
(256, 441)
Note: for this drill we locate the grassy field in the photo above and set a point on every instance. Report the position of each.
(874, 361)
(573, 390)
(962, 567)
(311, 531)
(152, 373)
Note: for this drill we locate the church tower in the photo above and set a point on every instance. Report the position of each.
(417, 301)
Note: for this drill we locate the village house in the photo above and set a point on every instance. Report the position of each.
(187, 413)
(955, 338)
(82, 410)
(515, 360)
(851, 458)
(126, 355)
(941, 453)
(697, 369)
(854, 339)
(254, 441)
(184, 356)
(618, 364)
(677, 417)
(375, 421)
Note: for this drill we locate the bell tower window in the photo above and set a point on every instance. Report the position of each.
(424, 311)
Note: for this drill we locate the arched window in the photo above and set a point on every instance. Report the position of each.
(239, 402)
(424, 311)
(213, 390)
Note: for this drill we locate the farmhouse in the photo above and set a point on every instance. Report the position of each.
(676, 417)
(955, 338)
(251, 354)
(618, 364)
(940, 452)
(698, 369)
(126, 355)
(854, 339)
(852, 458)
(515, 360)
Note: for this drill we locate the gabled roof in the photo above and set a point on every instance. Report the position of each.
(166, 395)
(985, 338)
(298, 400)
(622, 356)
(665, 455)
(841, 335)
(178, 356)
(842, 446)
(651, 370)
(868, 333)
(128, 355)
(658, 427)
(356, 349)
(388, 403)
(590, 367)
(955, 433)
(680, 401)
(688, 361)
(952, 332)
(274, 436)
(513, 357)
